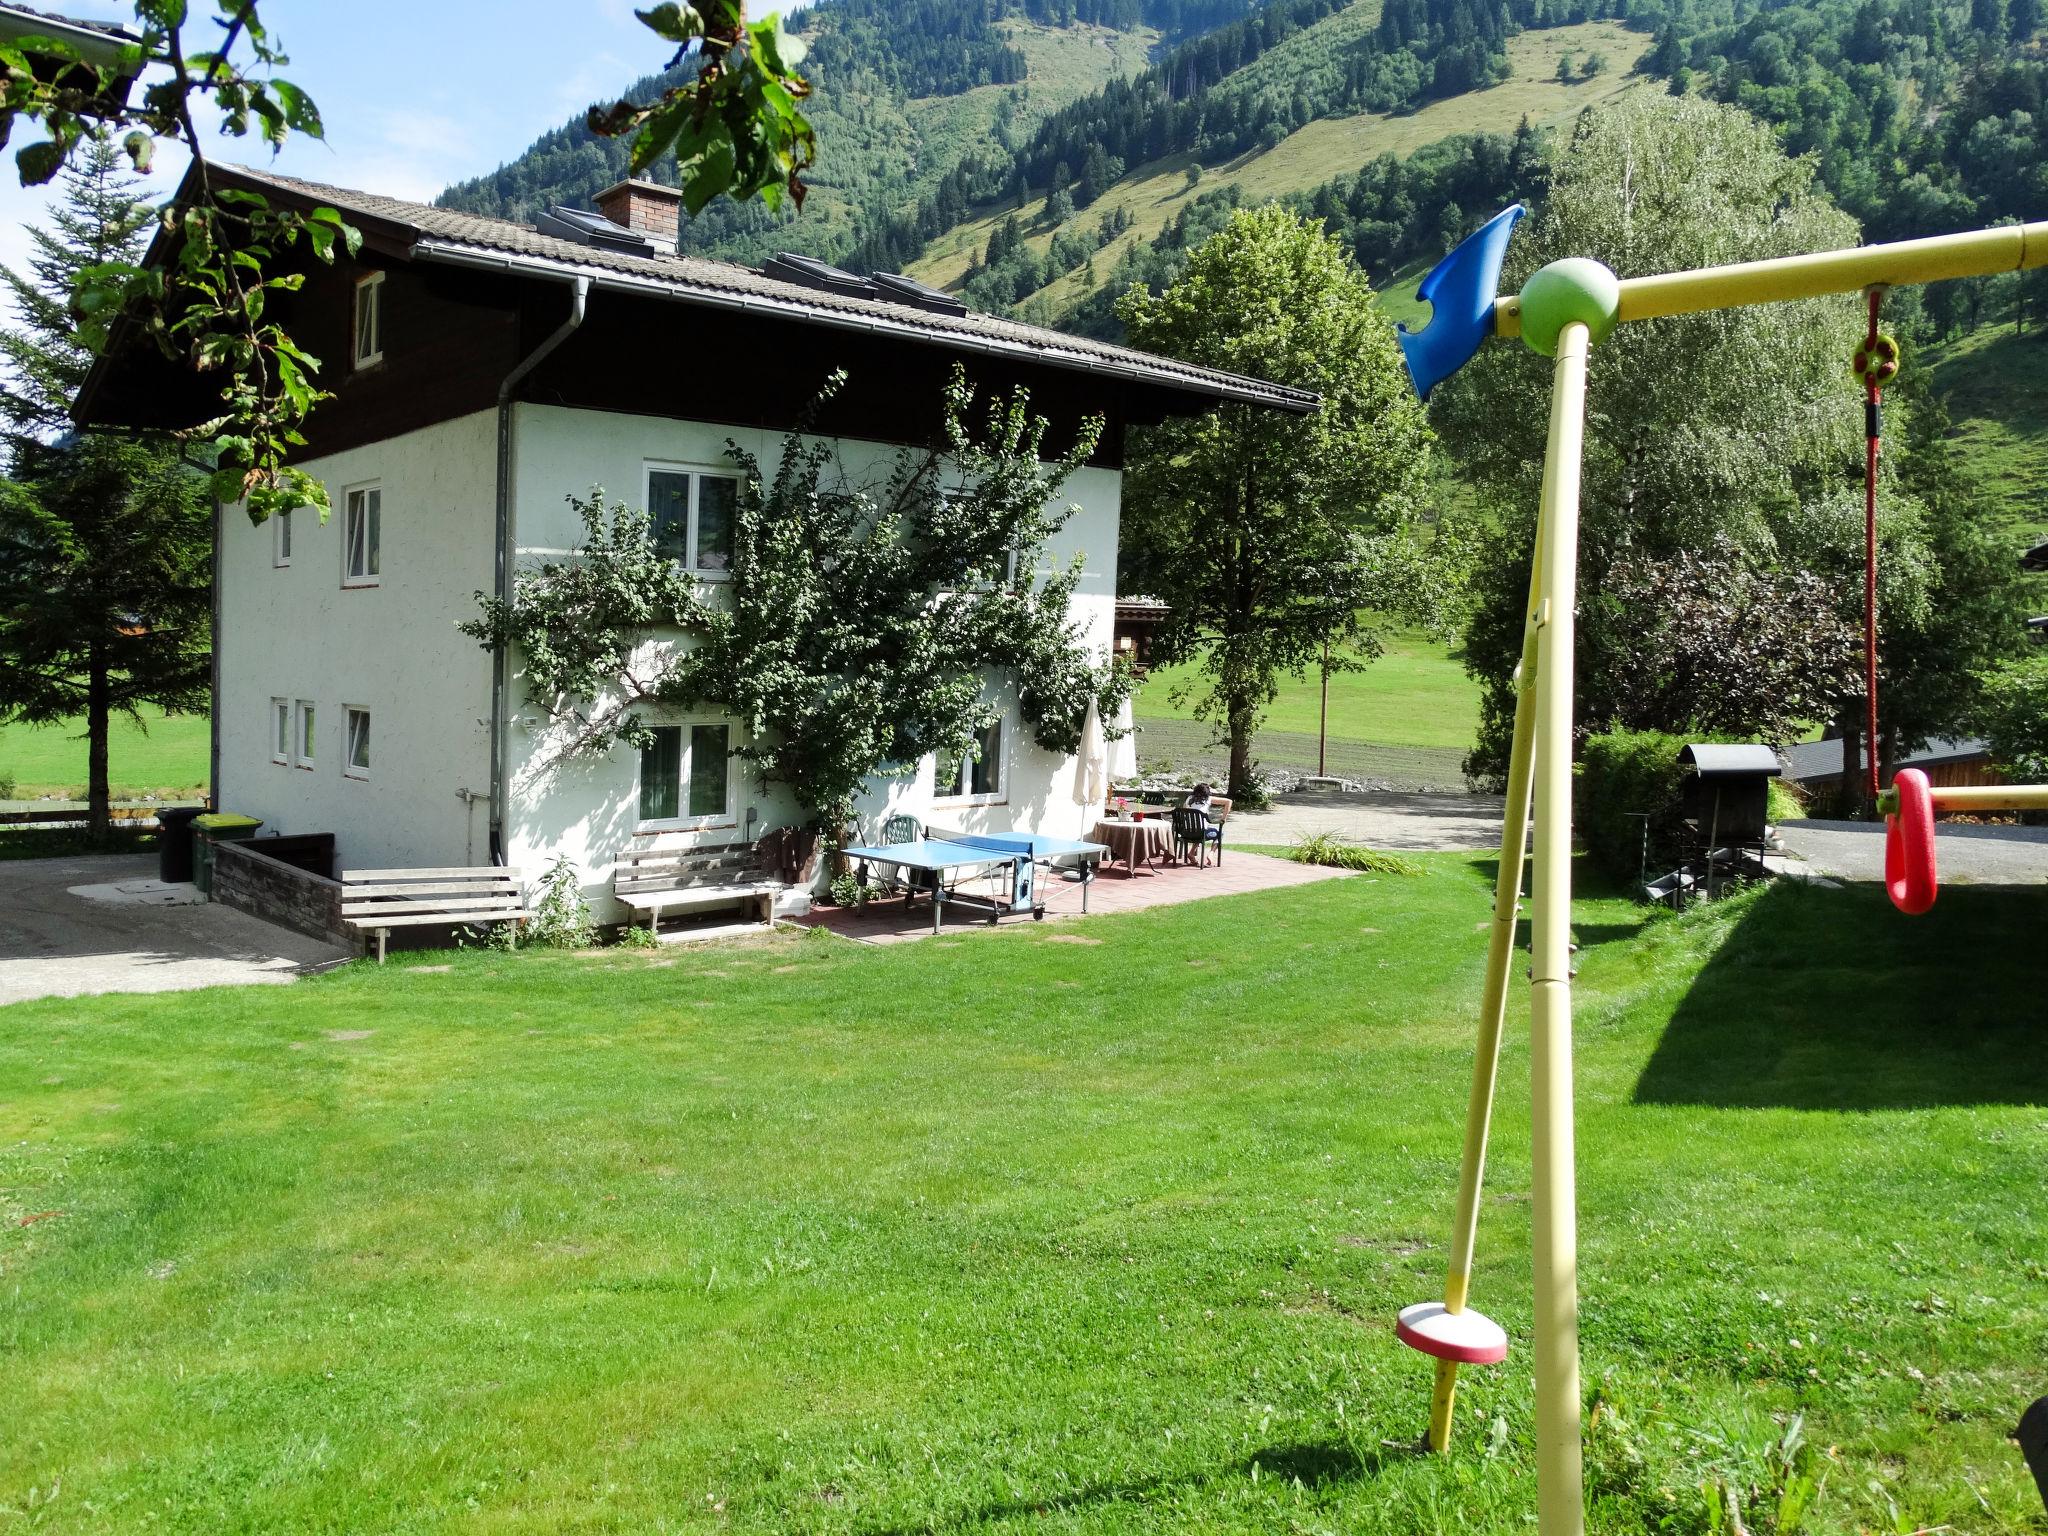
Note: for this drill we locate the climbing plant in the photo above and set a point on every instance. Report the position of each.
(734, 128)
(864, 622)
(206, 300)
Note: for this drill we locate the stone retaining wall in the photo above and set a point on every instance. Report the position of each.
(264, 887)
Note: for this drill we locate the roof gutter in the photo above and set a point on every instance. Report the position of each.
(501, 663)
(1219, 386)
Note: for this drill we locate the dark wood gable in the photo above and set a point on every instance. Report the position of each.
(657, 357)
(452, 334)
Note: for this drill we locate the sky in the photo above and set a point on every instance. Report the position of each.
(414, 95)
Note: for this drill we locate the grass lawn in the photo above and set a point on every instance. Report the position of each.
(1991, 381)
(169, 753)
(1078, 1228)
(1416, 695)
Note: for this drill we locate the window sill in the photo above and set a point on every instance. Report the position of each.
(366, 364)
(282, 762)
(959, 802)
(685, 824)
(306, 767)
(354, 777)
(360, 583)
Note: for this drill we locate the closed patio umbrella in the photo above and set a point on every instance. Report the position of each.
(1091, 763)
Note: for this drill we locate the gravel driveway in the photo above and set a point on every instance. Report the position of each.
(1411, 823)
(1854, 850)
(104, 924)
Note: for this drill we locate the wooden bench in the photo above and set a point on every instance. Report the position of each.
(658, 880)
(383, 899)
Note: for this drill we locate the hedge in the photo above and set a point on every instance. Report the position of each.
(1622, 776)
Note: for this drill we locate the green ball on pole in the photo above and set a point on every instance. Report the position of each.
(1577, 288)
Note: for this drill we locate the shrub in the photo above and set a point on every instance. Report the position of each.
(1321, 848)
(2013, 717)
(1624, 775)
(561, 917)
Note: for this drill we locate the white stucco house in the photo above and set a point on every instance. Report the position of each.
(483, 371)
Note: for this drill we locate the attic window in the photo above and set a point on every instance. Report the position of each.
(890, 287)
(370, 320)
(592, 229)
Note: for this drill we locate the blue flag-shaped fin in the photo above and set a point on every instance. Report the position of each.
(1460, 292)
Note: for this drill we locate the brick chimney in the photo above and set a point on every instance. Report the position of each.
(646, 207)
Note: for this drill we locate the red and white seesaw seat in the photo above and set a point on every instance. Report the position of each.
(1464, 1338)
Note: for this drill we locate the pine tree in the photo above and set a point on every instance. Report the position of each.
(104, 541)
(102, 218)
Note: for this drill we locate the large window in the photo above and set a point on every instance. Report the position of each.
(370, 320)
(356, 762)
(280, 730)
(974, 775)
(303, 735)
(691, 516)
(686, 775)
(362, 533)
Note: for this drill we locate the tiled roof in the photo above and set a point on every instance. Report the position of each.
(1823, 759)
(443, 233)
(78, 23)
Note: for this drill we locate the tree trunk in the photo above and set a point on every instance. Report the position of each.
(97, 710)
(1854, 779)
(1240, 754)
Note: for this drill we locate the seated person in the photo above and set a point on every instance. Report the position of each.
(1200, 799)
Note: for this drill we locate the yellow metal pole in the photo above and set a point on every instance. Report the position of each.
(1560, 1496)
(1990, 797)
(1507, 896)
(1979, 253)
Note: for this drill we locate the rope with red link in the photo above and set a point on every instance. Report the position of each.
(1876, 363)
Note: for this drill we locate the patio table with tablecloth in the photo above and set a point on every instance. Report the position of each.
(1134, 842)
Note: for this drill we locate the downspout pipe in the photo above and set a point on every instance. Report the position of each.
(501, 664)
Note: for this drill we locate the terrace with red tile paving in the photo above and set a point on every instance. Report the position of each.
(886, 921)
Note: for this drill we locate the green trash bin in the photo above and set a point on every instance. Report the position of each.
(216, 827)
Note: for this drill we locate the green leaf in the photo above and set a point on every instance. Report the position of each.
(38, 163)
(710, 175)
(674, 22)
(299, 110)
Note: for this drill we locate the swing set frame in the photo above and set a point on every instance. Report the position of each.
(1575, 302)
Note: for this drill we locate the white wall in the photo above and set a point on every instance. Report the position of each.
(392, 648)
(590, 811)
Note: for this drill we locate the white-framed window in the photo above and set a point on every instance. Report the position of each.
(281, 730)
(355, 760)
(281, 539)
(686, 776)
(975, 776)
(690, 513)
(369, 349)
(362, 532)
(303, 734)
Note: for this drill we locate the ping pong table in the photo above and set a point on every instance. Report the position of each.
(932, 864)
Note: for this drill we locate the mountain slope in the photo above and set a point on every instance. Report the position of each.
(1153, 195)
(905, 89)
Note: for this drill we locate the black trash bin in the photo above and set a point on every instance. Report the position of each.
(174, 842)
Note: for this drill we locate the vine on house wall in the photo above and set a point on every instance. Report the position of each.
(859, 625)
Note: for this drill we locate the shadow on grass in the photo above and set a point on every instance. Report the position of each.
(1824, 999)
(1315, 1464)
